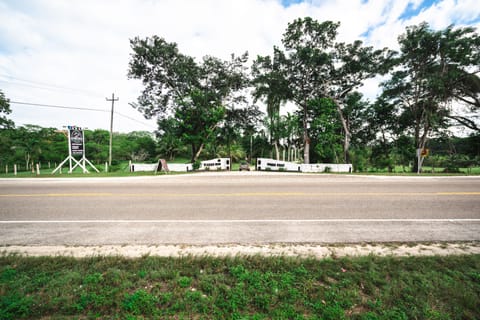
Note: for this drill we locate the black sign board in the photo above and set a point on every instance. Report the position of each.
(76, 141)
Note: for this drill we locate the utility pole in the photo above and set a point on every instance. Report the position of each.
(111, 129)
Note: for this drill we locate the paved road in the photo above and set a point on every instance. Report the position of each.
(237, 207)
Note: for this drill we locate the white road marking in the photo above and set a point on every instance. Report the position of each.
(231, 221)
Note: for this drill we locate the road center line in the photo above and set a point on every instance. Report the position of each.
(230, 221)
(240, 194)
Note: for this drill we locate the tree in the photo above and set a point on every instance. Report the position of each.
(197, 120)
(270, 84)
(325, 130)
(457, 71)
(177, 86)
(433, 70)
(307, 43)
(319, 67)
(5, 109)
(169, 143)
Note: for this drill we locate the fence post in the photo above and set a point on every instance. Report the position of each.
(15, 169)
(38, 169)
(6, 169)
(106, 166)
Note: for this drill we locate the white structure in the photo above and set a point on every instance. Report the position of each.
(180, 167)
(265, 164)
(76, 147)
(216, 164)
(137, 167)
(327, 167)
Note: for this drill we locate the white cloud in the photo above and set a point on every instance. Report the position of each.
(84, 44)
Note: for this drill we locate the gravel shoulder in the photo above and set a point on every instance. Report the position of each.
(318, 251)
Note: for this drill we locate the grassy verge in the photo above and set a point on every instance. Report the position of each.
(240, 288)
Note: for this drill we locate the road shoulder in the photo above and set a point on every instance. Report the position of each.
(319, 251)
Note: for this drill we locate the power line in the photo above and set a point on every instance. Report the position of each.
(130, 118)
(80, 108)
(57, 106)
(45, 86)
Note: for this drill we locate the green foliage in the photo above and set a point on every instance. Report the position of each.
(432, 70)
(191, 97)
(325, 131)
(5, 109)
(140, 303)
(33, 144)
(250, 287)
(184, 282)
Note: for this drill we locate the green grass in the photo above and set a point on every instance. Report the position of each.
(240, 288)
(121, 170)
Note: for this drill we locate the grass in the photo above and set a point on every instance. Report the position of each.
(240, 288)
(121, 170)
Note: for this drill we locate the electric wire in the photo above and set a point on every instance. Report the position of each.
(80, 108)
(45, 86)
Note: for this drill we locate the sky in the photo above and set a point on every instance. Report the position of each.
(60, 60)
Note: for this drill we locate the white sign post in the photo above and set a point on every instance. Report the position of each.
(76, 147)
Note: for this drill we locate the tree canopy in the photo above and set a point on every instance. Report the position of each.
(434, 71)
(430, 85)
(197, 96)
(5, 109)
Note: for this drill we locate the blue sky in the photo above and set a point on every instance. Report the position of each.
(76, 52)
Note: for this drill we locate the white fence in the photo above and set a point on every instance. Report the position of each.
(137, 167)
(265, 164)
(180, 167)
(327, 167)
(216, 164)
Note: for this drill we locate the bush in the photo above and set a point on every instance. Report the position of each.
(196, 165)
(140, 303)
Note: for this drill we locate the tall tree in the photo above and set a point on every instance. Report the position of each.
(197, 120)
(433, 70)
(176, 85)
(270, 84)
(5, 109)
(307, 44)
(319, 67)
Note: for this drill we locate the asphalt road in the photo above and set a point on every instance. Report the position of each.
(232, 207)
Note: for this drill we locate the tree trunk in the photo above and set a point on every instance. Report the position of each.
(199, 151)
(277, 152)
(306, 148)
(420, 142)
(346, 129)
(306, 139)
(194, 152)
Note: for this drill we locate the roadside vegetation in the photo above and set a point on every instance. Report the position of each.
(429, 100)
(240, 287)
